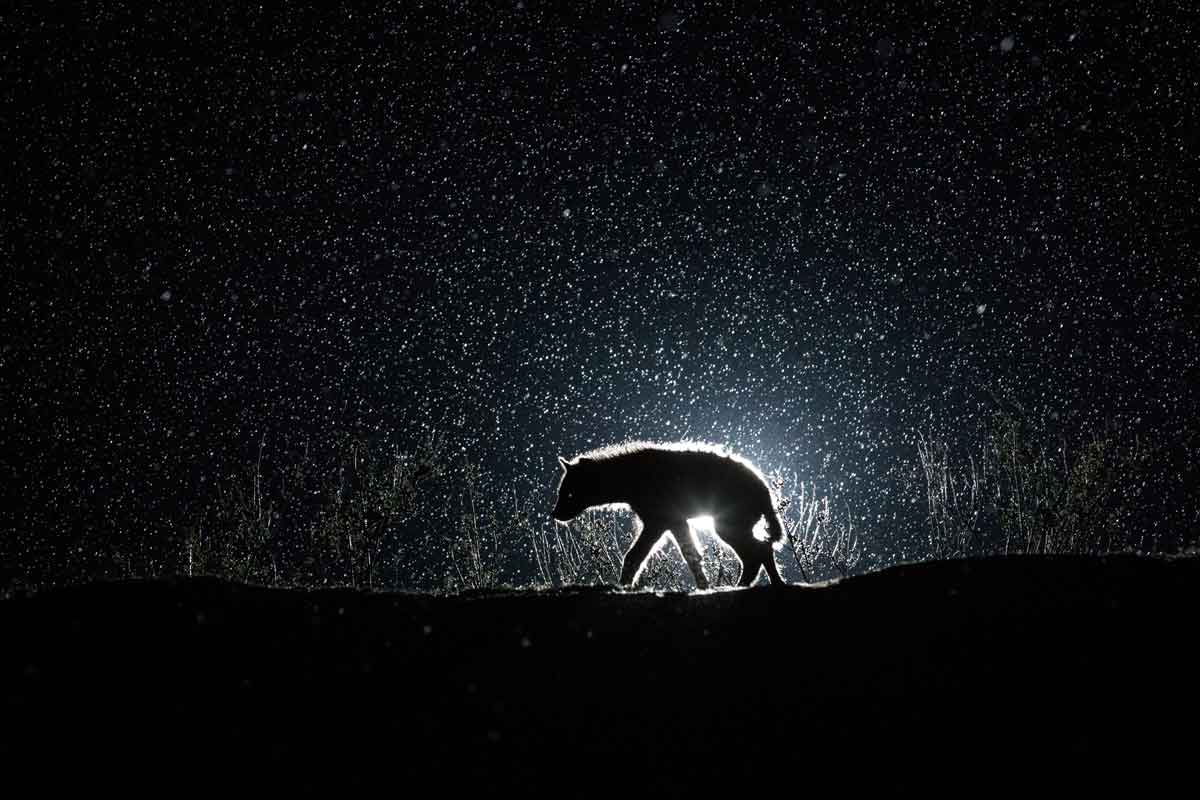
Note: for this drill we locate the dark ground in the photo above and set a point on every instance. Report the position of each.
(1030, 671)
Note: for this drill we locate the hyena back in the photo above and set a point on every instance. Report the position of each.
(665, 485)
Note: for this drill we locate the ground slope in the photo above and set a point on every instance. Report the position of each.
(1076, 669)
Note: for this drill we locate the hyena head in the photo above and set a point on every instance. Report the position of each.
(574, 490)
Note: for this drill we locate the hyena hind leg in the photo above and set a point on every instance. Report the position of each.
(742, 540)
(772, 567)
(685, 537)
(751, 564)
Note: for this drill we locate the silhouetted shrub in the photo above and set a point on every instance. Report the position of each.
(1023, 488)
(315, 516)
(821, 538)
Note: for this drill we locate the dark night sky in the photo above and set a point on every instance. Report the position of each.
(803, 234)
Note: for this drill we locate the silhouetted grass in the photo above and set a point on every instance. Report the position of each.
(361, 513)
(1021, 487)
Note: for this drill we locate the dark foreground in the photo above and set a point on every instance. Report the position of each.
(1073, 671)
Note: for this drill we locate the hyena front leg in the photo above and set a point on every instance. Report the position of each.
(646, 535)
(686, 538)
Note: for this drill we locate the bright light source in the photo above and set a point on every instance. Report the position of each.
(706, 524)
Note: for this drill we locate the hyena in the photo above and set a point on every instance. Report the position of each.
(665, 485)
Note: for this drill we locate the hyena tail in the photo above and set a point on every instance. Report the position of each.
(774, 527)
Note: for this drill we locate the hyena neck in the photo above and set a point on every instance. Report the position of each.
(613, 482)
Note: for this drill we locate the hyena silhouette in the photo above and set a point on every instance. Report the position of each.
(665, 485)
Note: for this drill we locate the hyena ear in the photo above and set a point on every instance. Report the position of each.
(563, 461)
